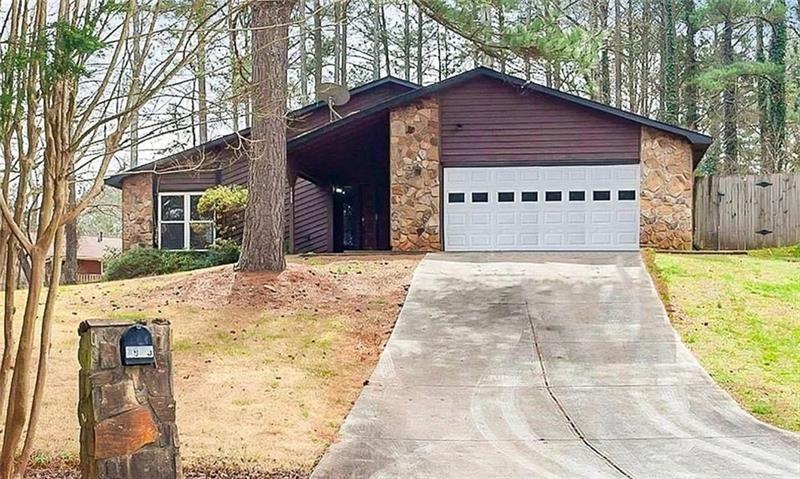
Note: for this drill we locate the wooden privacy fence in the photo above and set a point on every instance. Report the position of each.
(747, 212)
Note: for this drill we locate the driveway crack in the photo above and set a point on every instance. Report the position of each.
(572, 424)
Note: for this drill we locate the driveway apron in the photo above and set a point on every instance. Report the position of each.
(546, 365)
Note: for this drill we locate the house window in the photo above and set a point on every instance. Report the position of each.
(626, 195)
(552, 196)
(505, 197)
(180, 225)
(601, 195)
(577, 196)
(530, 196)
(480, 197)
(455, 197)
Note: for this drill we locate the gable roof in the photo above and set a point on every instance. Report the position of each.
(699, 141)
(116, 179)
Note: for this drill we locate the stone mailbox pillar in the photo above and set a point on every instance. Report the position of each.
(127, 412)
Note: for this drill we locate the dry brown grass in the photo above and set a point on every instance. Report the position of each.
(266, 366)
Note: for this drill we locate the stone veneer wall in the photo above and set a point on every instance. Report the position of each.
(666, 191)
(414, 176)
(126, 413)
(137, 211)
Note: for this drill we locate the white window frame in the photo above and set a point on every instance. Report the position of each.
(187, 219)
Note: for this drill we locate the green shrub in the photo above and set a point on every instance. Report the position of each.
(140, 262)
(221, 200)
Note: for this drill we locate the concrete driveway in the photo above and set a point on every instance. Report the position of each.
(548, 366)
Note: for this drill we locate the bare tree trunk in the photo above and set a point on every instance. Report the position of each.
(337, 40)
(71, 235)
(420, 41)
(202, 90)
(407, 39)
(262, 242)
(343, 60)
(376, 40)
(234, 67)
(385, 40)
(317, 14)
(618, 53)
(135, 86)
(303, 74)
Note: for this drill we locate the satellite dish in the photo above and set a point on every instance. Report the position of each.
(334, 95)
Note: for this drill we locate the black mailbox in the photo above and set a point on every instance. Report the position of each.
(136, 346)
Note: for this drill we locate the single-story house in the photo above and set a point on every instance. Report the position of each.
(482, 161)
(91, 253)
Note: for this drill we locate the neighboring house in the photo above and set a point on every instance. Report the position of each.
(91, 251)
(480, 161)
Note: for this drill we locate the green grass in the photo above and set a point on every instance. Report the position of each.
(740, 315)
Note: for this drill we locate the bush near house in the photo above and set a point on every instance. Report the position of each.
(140, 262)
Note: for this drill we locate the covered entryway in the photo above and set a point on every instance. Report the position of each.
(529, 208)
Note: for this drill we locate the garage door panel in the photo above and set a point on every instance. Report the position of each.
(504, 219)
(505, 222)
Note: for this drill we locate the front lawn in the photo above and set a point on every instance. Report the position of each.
(266, 366)
(740, 315)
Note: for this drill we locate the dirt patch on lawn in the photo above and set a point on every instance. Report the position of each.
(266, 366)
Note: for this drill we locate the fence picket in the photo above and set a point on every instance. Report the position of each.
(729, 211)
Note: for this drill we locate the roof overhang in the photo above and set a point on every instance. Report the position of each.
(699, 141)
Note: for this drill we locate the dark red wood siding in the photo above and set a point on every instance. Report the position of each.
(488, 122)
(357, 102)
(313, 217)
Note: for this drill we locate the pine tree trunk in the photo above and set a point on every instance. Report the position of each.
(605, 75)
(262, 242)
(761, 101)
(644, 82)
(777, 92)
(690, 88)
(730, 145)
(669, 74)
(630, 63)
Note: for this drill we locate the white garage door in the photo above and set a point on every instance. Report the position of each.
(541, 208)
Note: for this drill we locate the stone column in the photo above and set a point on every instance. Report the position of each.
(137, 211)
(414, 176)
(126, 413)
(666, 191)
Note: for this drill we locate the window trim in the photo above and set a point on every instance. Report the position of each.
(186, 222)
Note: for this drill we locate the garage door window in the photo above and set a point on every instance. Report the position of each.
(530, 196)
(601, 195)
(626, 195)
(455, 198)
(577, 196)
(505, 197)
(480, 197)
(552, 196)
